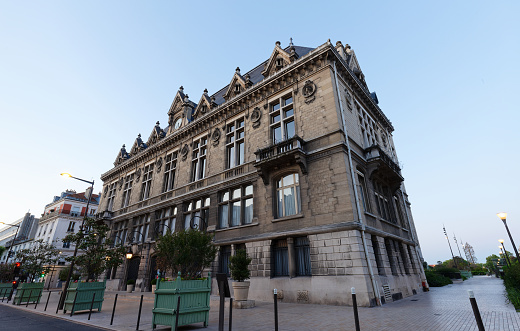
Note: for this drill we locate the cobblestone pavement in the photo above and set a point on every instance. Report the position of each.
(445, 308)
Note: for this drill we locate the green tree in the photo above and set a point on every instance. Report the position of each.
(188, 251)
(491, 261)
(97, 254)
(37, 259)
(238, 265)
(6, 272)
(2, 250)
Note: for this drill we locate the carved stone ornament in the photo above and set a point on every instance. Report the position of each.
(138, 174)
(256, 115)
(215, 136)
(106, 190)
(184, 152)
(159, 164)
(349, 100)
(308, 91)
(120, 183)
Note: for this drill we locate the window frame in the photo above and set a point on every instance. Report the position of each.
(146, 183)
(228, 203)
(166, 216)
(170, 168)
(235, 143)
(199, 159)
(127, 190)
(111, 196)
(280, 256)
(283, 119)
(190, 209)
(297, 194)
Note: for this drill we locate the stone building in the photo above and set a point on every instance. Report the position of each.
(292, 160)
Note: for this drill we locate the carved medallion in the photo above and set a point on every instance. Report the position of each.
(184, 152)
(215, 136)
(256, 115)
(308, 91)
(159, 164)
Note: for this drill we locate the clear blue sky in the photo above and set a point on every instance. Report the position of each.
(79, 79)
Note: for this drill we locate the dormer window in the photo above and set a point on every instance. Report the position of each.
(279, 63)
(237, 88)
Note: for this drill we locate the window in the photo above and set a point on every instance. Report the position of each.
(236, 206)
(66, 244)
(391, 255)
(288, 195)
(165, 220)
(399, 211)
(383, 206)
(169, 171)
(111, 196)
(127, 190)
(92, 212)
(140, 229)
(362, 189)
(75, 212)
(282, 120)
(120, 232)
(147, 181)
(198, 162)
(196, 210)
(377, 254)
(280, 258)
(235, 143)
(223, 260)
(303, 256)
(71, 227)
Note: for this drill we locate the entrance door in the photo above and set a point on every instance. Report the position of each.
(133, 268)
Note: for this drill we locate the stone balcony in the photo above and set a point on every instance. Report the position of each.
(281, 154)
(381, 166)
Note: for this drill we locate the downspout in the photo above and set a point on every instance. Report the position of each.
(416, 242)
(356, 198)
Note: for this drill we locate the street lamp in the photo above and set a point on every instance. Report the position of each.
(453, 256)
(14, 239)
(80, 233)
(501, 241)
(503, 217)
(502, 252)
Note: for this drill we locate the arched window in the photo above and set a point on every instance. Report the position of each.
(288, 196)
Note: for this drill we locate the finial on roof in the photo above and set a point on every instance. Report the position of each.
(139, 135)
(277, 43)
(123, 146)
(338, 43)
(181, 89)
(205, 91)
(237, 70)
(187, 98)
(347, 46)
(291, 44)
(213, 98)
(328, 40)
(157, 124)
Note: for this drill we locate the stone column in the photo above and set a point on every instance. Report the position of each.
(291, 257)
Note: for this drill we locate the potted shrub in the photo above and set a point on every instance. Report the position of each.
(239, 268)
(154, 285)
(96, 255)
(130, 285)
(186, 254)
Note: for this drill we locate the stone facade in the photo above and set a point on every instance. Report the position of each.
(293, 161)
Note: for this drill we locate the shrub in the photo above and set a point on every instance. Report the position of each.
(154, 281)
(437, 280)
(238, 266)
(448, 272)
(130, 282)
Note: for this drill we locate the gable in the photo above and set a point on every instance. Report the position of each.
(156, 135)
(204, 106)
(121, 156)
(238, 84)
(279, 59)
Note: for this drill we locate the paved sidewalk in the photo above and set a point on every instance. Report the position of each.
(445, 308)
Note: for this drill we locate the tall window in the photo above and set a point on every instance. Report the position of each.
(235, 143)
(196, 210)
(223, 260)
(362, 189)
(75, 212)
(120, 232)
(377, 254)
(169, 171)
(140, 230)
(303, 256)
(236, 206)
(147, 181)
(399, 212)
(71, 227)
(280, 258)
(198, 162)
(127, 190)
(382, 202)
(111, 196)
(288, 195)
(391, 255)
(165, 220)
(282, 119)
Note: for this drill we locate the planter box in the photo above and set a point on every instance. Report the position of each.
(194, 307)
(5, 289)
(84, 292)
(28, 292)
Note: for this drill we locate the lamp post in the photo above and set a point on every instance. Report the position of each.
(454, 261)
(503, 217)
(80, 233)
(14, 239)
(501, 241)
(505, 254)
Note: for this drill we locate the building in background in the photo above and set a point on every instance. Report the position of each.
(293, 161)
(26, 232)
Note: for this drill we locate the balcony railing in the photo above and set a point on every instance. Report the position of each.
(381, 164)
(62, 212)
(279, 148)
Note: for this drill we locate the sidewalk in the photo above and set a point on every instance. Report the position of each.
(445, 308)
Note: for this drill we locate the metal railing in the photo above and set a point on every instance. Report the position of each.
(279, 148)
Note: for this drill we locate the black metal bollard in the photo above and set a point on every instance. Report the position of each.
(73, 304)
(230, 313)
(113, 310)
(58, 306)
(28, 299)
(91, 305)
(221, 307)
(139, 315)
(275, 291)
(476, 312)
(177, 313)
(354, 303)
(47, 303)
